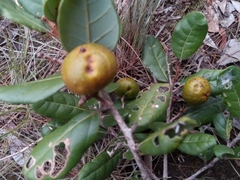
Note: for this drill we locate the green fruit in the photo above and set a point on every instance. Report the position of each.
(127, 88)
(88, 68)
(196, 90)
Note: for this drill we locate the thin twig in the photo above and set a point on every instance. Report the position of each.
(127, 132)
(213, 162)
(165, 157)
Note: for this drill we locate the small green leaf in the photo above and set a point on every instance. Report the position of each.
(151, 105)
(205, 113)
(222, 125)
(61, 106)
(51, 9)
(168, 138)
(101, 167)
(236, 154)
(34, 8)
(207, 155)
(154, 58)
(220, 150)
(111, 87)
(196, 144)
(109, 121)
(10, 10)
(46, 161)
(31, 92)
(81, 22)
(229, 81)
(51, 126)
(189, 35)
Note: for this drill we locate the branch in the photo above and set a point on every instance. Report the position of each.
(127, 132)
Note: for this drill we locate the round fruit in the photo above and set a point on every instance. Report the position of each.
(88, 68)
(196, 90)
(127, 88)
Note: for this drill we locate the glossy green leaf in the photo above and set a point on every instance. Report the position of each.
(10, 10)
(189, 34)
(34, 8)
(236, 154)
(50, 9)
(154, 58)
(222, 125)
(210, 75)
(229, 81)
(61, 106)
(31, 92)
(151, 105)
(168, 138)
(101, 167)
(77, 135)
(196, 144)
(81, 22)
(220, 150)
(205, 113)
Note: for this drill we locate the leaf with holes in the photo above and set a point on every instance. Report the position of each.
(101, 167)
(195, 144)
(11, 10)
(50, 9)
(32, 92)
(220, 150)
(222, 125)
(151, 105)
(229, 81)
(81, 22)
(189, 34)
(61, 106)
(205, 113)
(168, 138)
(34, 8)
(154, 58)
(47, 161)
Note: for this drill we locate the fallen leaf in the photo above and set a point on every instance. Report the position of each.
(222, 6)
(212, 19)
(209, 42)
(231, 52)
(236, 5)
(227, 21)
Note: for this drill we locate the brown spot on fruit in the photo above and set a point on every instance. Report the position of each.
(82, 49)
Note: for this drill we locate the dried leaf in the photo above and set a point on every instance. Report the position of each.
(236, 5)
(231, 52)
(212, 19)
(222, 6)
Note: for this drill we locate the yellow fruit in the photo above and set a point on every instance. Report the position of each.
(127, 88)
(196, 90)
(88, 68)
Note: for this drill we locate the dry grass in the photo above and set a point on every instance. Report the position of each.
(18, 63)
